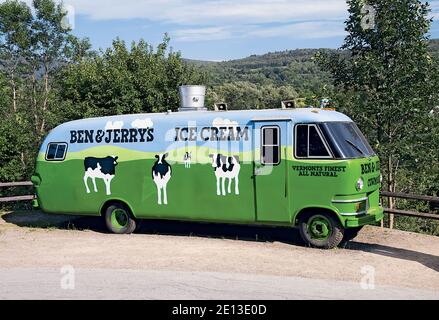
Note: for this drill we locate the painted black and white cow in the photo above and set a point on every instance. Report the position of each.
(161, 174)
(187, 159)
(102, 168)
(225, 168)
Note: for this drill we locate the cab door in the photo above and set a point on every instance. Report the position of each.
(270, 139)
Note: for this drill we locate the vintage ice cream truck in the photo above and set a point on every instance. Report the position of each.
(309, 168)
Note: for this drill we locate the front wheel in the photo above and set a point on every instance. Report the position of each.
(321, 230)
(119, 220)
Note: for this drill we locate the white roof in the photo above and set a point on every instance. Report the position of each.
(304, 115)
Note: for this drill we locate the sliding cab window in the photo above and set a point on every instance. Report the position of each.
(310, 143)
(270, 145)
(56, 151)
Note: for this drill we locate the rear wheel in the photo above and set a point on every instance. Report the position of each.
(119, 219)
(321, 230)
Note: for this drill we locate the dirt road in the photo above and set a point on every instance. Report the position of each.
(175, 260)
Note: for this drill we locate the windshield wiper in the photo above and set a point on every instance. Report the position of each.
(355, 146)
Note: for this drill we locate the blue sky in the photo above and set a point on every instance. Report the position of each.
(217, 29)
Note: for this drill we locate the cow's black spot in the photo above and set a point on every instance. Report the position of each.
(227, 163)
(108, 165)
(161, 168)
(231, 165)
(218, 161)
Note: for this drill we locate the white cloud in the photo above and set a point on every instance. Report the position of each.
(203, 20)
(303, 30)
(227, 123)
(142, 123)
(202, 34)
(220, 122)
(211, 12)
(111, 125)
(216, 12)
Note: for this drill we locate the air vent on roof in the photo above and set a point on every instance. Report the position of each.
(288, 104)
(221, 106)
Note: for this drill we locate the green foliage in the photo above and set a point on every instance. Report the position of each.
(388, 83)
(277, 76)
(246, 95)
(294, 69)
(4, 94)
(433, 47)
(13, 166)
(34, 47)
(121, 80)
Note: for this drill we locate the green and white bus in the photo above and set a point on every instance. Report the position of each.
(308, 168)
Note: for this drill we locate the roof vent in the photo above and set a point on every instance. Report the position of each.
(192, 98)
(288, 104)
(222, 106)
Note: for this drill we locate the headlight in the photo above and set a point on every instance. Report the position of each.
(360, 184)
(381, 178)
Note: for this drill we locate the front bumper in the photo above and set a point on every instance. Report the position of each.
(373, 215)
(359, 209)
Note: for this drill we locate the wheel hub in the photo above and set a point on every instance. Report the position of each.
(319, 227)
(119, 218)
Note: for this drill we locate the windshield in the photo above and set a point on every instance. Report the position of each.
(346, 140)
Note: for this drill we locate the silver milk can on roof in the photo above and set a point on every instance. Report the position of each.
(192, 98)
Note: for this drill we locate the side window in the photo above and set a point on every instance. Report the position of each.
(56, 151)
(301, 141)
(310, 143)
(317, 148)
(270, 145)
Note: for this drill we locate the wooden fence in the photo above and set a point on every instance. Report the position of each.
(427, 215)
(16, 198)
(434, 202)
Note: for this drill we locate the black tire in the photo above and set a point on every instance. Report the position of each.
(351, 233)
(119, 219)
(331, 234)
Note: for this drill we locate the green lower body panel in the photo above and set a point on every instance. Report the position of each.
(273, 196)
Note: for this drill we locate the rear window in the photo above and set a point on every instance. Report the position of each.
(56, 151)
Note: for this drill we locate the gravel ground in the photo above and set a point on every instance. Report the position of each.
(168, 259)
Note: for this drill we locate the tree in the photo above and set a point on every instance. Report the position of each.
(15, 42)
(34, 47)
(246, 95)
(52, 46)
(389, 80)
(123, 80)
